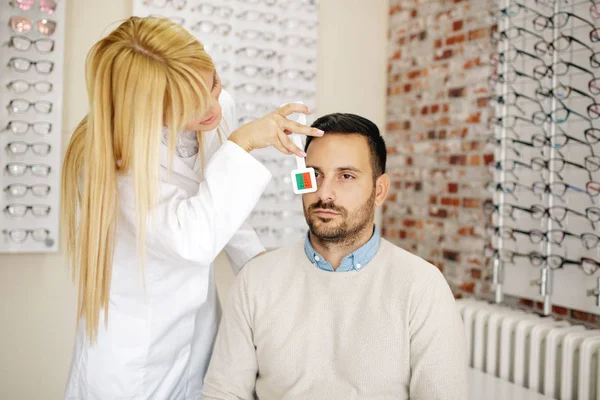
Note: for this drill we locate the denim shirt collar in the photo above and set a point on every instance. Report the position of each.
(354, 261)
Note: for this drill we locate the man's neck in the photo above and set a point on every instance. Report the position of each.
(334, 252)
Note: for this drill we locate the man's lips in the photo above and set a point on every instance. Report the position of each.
(325, 213)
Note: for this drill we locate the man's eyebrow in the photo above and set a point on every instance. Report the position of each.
(340, 169)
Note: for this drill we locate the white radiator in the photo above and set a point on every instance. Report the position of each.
(551, 357)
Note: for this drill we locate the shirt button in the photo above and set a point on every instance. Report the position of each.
(317, 258)
(358, 266)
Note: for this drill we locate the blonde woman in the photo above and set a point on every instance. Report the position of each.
(149, 205)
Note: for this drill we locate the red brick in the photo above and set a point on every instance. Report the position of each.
(408, 223)
(413, 74)
(560, 310)
(457, 25)
(452, 187)
(460, 159)
(432, 199)
(397, 55)
(475, 273)
(583, 316)
(451, 255)
(456, 92)
(474, 118)
(407, 87)
(438, 213)
(468, 287)
(446, 54)
(455, 39)
(466, 231)
(475, 160)
(488, 159)
(472, 63)
(446, 108)
(479, 33)
(471, 202)
(482, 102)
(402, 234)
(413, 13)
(437, 44)
(449, 201)
(526, 303)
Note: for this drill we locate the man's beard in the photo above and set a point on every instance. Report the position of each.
(345, 231)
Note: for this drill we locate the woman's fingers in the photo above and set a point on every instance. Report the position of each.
(287, 143)
(291, 108)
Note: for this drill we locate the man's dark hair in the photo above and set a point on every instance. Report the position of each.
(340, 123)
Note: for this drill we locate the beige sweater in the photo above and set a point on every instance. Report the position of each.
(292, 331)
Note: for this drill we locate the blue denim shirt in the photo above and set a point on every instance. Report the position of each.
(354, 261)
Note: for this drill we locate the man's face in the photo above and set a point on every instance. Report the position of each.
(344, 204)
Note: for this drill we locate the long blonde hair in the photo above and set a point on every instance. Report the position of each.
(144, 75)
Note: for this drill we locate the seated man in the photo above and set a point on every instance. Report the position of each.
(344, 314)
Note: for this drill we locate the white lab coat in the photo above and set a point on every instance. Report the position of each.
(159, 338)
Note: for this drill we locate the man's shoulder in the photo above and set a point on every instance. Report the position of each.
(410, 266)
(274, 262)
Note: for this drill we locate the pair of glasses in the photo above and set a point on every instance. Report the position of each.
(22, 127)
(564, 42)
(508, 187)
(210, 9)
(511, 56)
(253, 34)
(23, 25)
(562, 68)
(560, 20)
(509, 166)
(20, 210)
(20, 190)
(556, 165)
(258, 108)
(211, 27)
(276, 213)
(20, 106)
(559, 189)
(295, 40)
(294, 74)
(588, 240)
(563, 92)
(252, 71)
(511, 75)
(513, 10)
(562, 114)
(176, 4)
(252, 88)
(22, 86)
(20, 235)
(504, 255)
(536, 211)
(294, 59)
(255, 52)
(257, 16)
(23, 43)
(20, 148)
(21, 64)
(45, 6)
(588, 265)
(19, 169)
(269, 3)
(293, 24)
(294, 92)
(536, 236)
(511, 99)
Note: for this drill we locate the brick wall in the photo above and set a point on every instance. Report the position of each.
(437, 112)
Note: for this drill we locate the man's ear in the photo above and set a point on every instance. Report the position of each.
(382, 187)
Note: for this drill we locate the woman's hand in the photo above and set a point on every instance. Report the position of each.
(273, 130)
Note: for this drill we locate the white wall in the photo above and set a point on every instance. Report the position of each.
(37, 299)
